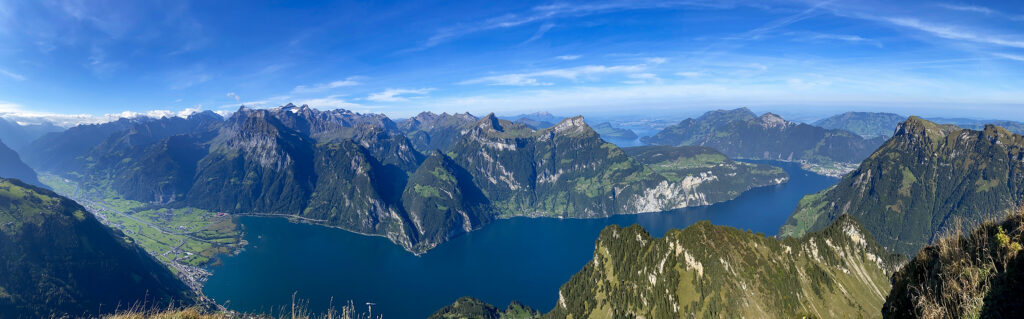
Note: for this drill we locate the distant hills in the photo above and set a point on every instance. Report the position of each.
(866, 124)
(418, 182)
(715, 271)
(17, 136)
(875, 124)
(926, 180)
(58, 261)
(608, 131)
(740, 133)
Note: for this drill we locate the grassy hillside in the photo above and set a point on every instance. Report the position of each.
(56, 259)
(979, 274)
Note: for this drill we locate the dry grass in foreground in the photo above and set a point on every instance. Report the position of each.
(297, 310)
(977, 275)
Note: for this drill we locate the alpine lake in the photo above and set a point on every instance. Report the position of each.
(524, 259)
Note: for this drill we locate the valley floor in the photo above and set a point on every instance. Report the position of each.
(185, 239)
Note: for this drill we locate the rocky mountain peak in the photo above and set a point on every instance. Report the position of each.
(574, 124)
(490, 122)
(916, 126)
(772, 120)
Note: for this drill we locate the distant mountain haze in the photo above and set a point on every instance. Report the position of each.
(11, 166)
(740, 133)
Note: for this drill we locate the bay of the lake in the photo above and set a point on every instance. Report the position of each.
(525, 259)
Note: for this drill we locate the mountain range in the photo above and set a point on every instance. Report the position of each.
(925, 181)
(740, 133)
(58, 260)
(418, 182)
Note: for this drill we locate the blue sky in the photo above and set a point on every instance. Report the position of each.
(74, 61)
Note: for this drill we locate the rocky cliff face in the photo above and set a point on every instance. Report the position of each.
(926, 180)
(429, 131)
(568, 171)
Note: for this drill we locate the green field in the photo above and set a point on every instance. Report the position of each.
(189, 236)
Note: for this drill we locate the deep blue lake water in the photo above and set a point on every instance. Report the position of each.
(525, 259)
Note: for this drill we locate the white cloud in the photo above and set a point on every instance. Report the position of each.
(395, 95)
(643, 78)
(550, 12)
(656, 60)
(975, 9)
(575, 73)
(544, 28)
(350, 81)
(844, 37)
(567, 57)
(1010, 56)
(22, 114)
(689, 74)
(954, 33)
(234, 96)
(12, 75)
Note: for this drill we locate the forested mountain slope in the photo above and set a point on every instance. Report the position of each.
(712, 271)
(927, 179)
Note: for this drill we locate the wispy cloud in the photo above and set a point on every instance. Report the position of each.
(955, 33)
(852, 38)
(534, 78)
(550, 12)
(1010, 56)
(540, 32)
(968, 8)
(12, 75)
(642, 78)
(334, 102)
(656, 60)
(234, 96)
(321, 87)
(396, 95)
(567, 57)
